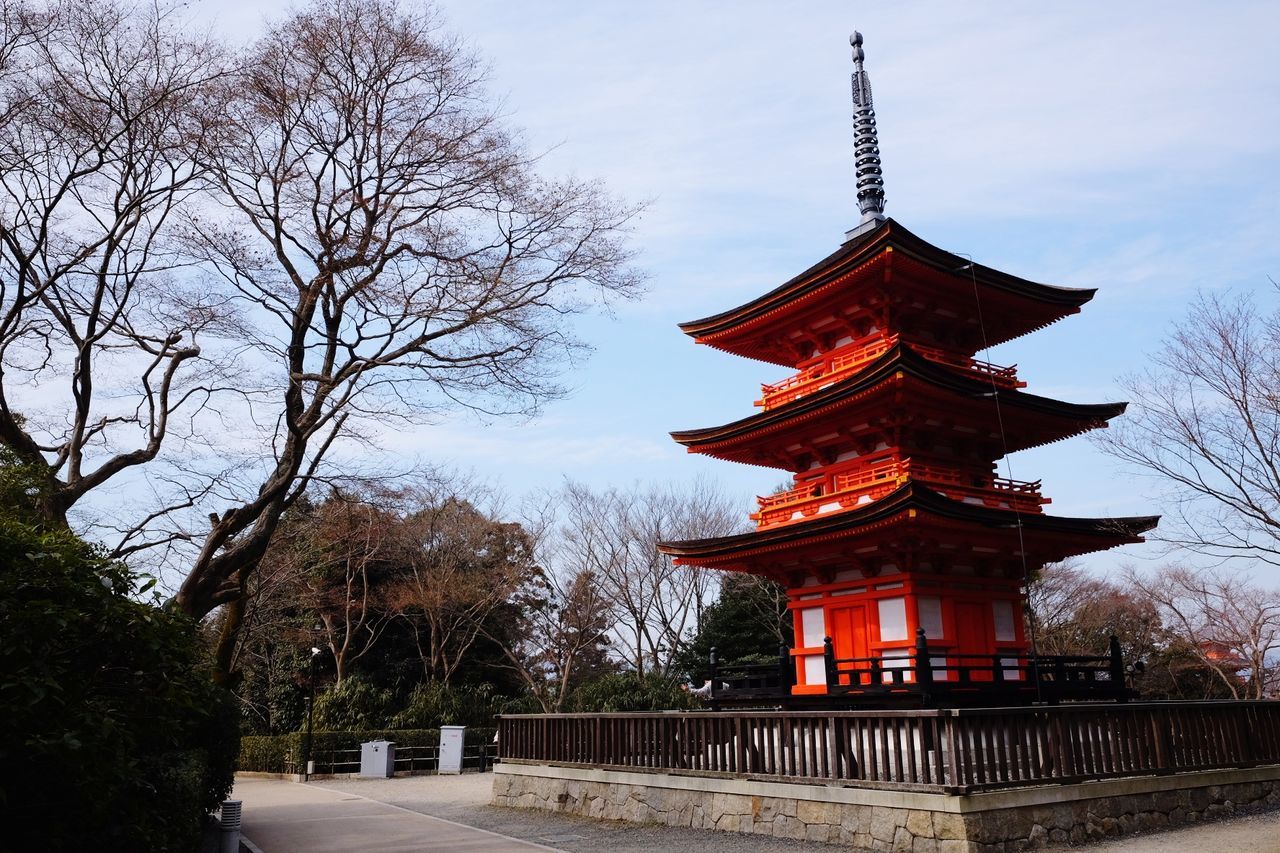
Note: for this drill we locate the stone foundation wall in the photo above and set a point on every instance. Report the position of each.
(882, 820)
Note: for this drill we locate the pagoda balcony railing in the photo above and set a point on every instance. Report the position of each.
(851, 488)
(850, 362)
(942, 671)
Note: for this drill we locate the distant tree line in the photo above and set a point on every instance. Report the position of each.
(420, 598)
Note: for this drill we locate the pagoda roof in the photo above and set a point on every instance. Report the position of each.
(911, 501)
(737, 329)
(1060, 419)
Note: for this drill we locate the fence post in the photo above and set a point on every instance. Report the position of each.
(786, 669)
(1117, 669)
(924, 664)
(829, 658)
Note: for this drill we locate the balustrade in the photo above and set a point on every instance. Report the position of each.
(849, 488)
(944, 750)
(851, 360)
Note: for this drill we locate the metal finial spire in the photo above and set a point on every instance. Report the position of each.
(866, 147)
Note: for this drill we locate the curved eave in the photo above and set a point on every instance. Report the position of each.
(863, 248)
(911, 496)
(885, 368)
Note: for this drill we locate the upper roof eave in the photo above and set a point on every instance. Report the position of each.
(898, 357)
(911, 495)
(861, 248)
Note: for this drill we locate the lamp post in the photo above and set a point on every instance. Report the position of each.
(311, 707)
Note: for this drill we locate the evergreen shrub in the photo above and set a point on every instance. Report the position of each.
(113, 737)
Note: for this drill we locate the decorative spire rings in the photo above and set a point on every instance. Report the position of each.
(866, 147)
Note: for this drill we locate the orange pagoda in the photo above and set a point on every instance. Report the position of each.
(904, 555)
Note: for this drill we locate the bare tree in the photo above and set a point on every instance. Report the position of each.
(1206, 427)
(338, 559)
(106, 110)
(1072, 612)
(562, 636)
(458, 567)
(613, 534)
(390, 249)
(1230, 623)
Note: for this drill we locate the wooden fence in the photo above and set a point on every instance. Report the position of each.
(413, 760)
(944, 750)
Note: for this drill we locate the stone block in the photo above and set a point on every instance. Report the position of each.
(729, 823)
(903, 840)
(817, 832)
(810, 812)
(767, 809)
(786, 826)
(1198, 799)
(948, 826)
(857, 818)
(1038, 837)
(884, 823)
(951, 845)
(920, 823)
(1062, 817)
(924, 845)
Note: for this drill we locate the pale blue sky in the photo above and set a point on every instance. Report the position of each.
(1130, 147)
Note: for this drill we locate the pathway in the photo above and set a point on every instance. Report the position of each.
(424, 813)
(288, 817)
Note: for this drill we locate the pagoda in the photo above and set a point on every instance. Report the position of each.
(904, 555)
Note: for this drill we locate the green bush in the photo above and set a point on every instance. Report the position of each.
(112, 738)
(435, 704)
(626, 691)
(357, 704)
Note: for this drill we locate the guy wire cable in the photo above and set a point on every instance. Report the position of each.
(1008, 468)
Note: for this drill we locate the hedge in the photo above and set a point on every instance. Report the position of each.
(283, 753)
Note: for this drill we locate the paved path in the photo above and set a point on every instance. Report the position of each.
(465, 799)
(288, 817)
(429, 813)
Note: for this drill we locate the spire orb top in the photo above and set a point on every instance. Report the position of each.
(866, 145)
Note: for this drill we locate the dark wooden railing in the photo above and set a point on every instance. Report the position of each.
(944, 750)
(940, 674)
(926, 675)
(751, 680)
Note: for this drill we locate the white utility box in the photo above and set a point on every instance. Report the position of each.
(378, 759)
(451, 738)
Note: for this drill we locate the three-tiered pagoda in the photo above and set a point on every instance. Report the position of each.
(898, 544)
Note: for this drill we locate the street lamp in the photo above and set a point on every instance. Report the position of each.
(311, 707)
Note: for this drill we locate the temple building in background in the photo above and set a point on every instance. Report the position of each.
(904, 554)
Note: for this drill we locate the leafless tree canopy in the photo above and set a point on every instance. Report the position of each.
(612, 533)
(1231, 623)
(1206, 426)
(268, 252)
(106, 110)
(1072, 612)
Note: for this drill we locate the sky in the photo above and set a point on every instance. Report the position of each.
(1126, 147)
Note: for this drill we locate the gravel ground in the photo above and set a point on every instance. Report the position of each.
(1251, 833)
(465, 799)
